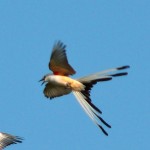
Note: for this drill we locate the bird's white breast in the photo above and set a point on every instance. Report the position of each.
(64, 80)
(57, 79)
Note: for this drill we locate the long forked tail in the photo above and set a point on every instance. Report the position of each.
(90, 110)
(84, 99)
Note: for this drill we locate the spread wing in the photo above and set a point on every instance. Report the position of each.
(52, 90)
(7, 139)
(58, 61)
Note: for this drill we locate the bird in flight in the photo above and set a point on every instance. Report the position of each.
(7, 139)
(59, 83)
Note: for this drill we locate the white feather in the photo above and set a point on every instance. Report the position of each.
(98, 75)
(87, 108)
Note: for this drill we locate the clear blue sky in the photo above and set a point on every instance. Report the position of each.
(99, 35)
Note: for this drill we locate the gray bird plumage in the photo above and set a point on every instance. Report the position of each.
(8, 139)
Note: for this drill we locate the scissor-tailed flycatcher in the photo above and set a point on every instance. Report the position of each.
(7, 139)
(59, 83)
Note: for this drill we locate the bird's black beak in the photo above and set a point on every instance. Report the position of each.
(42, 80)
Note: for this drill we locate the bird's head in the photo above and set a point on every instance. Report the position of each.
(44, 79)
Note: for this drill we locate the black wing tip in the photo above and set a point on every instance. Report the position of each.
(60, 43)
(123, 67)
(18, 139)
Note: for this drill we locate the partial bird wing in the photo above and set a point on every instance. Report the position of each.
(53, 90)
(7, 139)
(58, 61)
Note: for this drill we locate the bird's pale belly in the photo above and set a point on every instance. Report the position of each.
(68, 82)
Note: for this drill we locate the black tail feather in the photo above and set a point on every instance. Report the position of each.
(86, 92)
(119, 74)
(102, 129)
(89, 85)
(103, 79)
(123, 67)
(94, 107)
(102, 120)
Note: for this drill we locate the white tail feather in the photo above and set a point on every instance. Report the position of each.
(102, 74)
(87, 108)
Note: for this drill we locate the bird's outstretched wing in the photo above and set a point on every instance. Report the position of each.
(53, 90)
(7, 139)
(58, 61)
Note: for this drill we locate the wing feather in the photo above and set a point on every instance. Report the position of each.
(59, 62)
(53, 90)
(7, 139)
